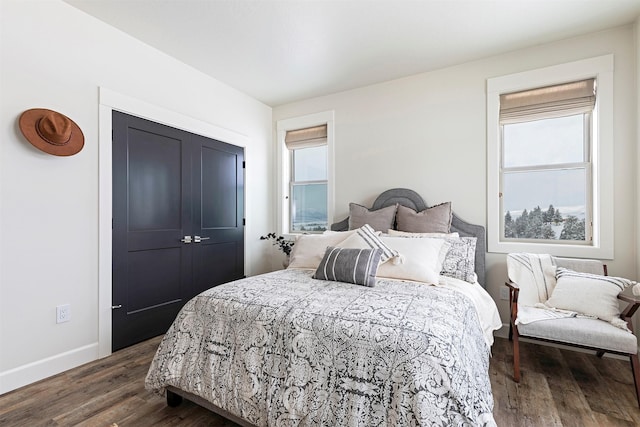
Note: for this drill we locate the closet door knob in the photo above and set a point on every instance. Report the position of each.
(198, 239)
(186, 239)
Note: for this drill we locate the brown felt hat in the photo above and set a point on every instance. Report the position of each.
(51, 132)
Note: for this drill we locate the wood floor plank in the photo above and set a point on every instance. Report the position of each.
(605, 420)
(113, 414)
(13, 402)
(504, 391)
(601, 399)
(98, 404)
(558, 388)
(619, 377)
(534, 393)
(566, 393)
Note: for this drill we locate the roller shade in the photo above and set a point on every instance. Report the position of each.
(306, 138)
(547, 102)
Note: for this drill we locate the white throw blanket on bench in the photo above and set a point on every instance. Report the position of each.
(535, 276)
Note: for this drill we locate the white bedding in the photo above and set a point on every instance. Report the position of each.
(486, 308)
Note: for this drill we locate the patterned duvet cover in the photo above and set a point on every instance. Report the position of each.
(283, 349)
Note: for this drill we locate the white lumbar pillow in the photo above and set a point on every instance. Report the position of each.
(421, 259)
(589, 294)
(308, 250)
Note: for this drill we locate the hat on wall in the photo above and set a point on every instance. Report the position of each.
(51, 132)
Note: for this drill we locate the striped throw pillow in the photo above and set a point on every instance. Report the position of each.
(589, 294)
(358, 266)
(366, 237)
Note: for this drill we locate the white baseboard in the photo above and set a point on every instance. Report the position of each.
(41, 369)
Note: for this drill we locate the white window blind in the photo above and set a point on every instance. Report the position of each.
(547, 102)
(306, 138)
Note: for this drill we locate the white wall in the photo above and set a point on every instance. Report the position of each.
(428, 132)
(55, 56)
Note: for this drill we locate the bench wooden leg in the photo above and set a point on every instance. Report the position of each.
(635, 370)
(516, 356)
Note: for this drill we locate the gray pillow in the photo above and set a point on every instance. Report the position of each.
(436, 219)
(358, 266)
(379, 220)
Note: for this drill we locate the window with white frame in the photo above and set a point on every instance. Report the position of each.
(305, 153)
(545, 170)
(308, 179)
(550, 160)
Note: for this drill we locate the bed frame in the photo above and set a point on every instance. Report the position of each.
(402, 196)
(175, 396)
(411, 199)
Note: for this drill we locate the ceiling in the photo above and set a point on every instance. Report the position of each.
(288, 50)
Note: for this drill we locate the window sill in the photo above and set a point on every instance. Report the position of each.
(573, 251)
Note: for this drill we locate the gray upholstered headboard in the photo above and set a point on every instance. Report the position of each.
(411, 199)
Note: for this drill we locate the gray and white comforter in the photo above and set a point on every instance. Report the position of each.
(283, 349)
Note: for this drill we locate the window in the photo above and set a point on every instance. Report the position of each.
(305, 147)
(545, 172)
(549, 165)
(308, 183)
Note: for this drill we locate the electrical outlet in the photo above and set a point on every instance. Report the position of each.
(63, 313)
(504, 293)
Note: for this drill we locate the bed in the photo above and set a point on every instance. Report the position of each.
(287, 349)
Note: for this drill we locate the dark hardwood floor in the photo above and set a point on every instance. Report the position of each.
(558, 388)
(102, 393)
(561, 388)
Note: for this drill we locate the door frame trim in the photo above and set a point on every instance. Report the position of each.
(110, 100)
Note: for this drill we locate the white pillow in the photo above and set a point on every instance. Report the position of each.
(589, 294)
(445, 248)
(309, 249)
(421, 259)
(392, 232)
(459, 259)
(366, 237)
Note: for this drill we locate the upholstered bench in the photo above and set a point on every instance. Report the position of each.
(584, 332)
